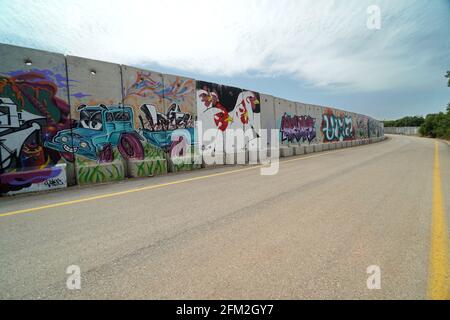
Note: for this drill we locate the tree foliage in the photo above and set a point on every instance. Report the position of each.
(437, 125)
(414, 121)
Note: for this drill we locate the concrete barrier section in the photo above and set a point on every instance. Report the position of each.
(410, 131)
(147, 167)
(99, 151)
(298, 150)
(190, 159)
(49, 178)
(230, 158)
(309, 149)
(213, 159)
(286, 151)
(318, 148)
(91, 173)
(33, 107)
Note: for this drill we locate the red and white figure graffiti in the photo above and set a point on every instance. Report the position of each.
(221, 116)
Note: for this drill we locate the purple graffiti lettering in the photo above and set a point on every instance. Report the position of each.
(297, 128)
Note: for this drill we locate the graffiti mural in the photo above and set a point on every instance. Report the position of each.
(143, 87)
(337, 127)
(99, 130)
(222, 108)
(297, 129)
(375, 129)
(362, 127)
(31, 113)
(103, 134)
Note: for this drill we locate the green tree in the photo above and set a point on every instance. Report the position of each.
(414, 121)
(437, 125)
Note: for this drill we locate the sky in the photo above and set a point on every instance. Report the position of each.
(318, 51)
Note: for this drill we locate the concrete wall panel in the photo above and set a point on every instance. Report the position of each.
(337, 125)
(143, 91)
(285, 111)
(316, 112)
(222, 108)
(268, 116)
(97, 159)
(93, 82)
(33, 108)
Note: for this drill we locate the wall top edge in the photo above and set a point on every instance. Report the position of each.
(68, 57)
(32, 50)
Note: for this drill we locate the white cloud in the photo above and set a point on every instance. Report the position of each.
(325, 43)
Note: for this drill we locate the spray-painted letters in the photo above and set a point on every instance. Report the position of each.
(337, 127)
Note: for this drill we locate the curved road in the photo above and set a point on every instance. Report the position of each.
(310, 231)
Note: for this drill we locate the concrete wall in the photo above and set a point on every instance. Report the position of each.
(67, 120)
(411, 131)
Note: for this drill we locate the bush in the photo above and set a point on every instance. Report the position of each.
(437, 125)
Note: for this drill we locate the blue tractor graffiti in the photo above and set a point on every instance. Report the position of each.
(99, 130)
(102, 128)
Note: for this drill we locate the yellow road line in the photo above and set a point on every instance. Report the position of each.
(114, 194)
(439, 273)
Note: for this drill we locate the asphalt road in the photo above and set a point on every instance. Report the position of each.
(309, 232)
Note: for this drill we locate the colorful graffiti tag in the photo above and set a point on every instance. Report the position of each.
(31, 113)
(337, 127)
(297, 128)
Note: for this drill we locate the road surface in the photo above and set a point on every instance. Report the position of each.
(309, 232)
